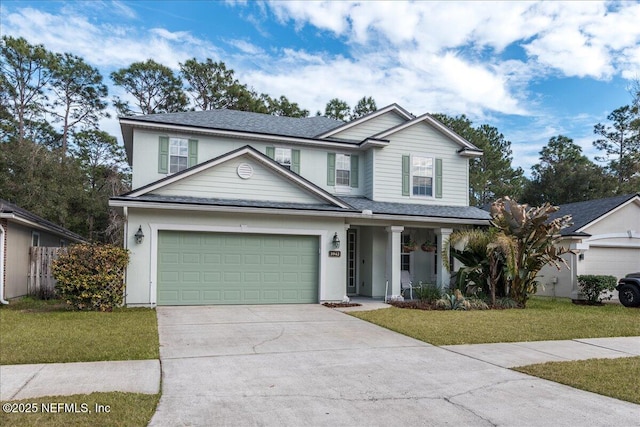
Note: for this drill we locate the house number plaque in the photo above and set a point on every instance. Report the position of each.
(334, 254)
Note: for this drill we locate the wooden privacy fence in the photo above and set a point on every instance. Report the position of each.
(41, 281)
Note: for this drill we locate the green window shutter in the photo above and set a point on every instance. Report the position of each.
(331, 168)
(354, 171)
(438, 178)
(271, 152)
(193, 152)
(406, 175)
(163, 155)
(295, 161)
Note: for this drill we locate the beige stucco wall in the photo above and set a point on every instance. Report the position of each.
(141, 277)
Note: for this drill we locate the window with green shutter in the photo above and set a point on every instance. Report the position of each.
(176, 154)
(354, 171)
(406, 175)
(287, 157)
(163, 154)
(331, 168)
(421, 176)
(438, 178)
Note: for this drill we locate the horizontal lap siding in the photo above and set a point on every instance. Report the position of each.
(222, 181)
(421, 139)
(371, 127)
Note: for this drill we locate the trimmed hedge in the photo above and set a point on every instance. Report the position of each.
(592, 287)
(91, 277)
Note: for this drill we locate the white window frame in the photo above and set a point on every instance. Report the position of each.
(341, 161)
(414, 173)
(283, 156)
(35, 238)
(181, 148)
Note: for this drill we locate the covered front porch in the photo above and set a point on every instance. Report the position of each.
(380, 259)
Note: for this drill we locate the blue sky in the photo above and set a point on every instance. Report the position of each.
(532, 69)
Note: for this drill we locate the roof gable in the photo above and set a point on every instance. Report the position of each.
(393, 108)
(221, 178)
(466, 147)
(585, 214)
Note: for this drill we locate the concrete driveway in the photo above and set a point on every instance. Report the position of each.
(299, 365)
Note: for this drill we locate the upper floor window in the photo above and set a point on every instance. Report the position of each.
(422, 176)
(343, 170)
(287, 157)
(178, 154)
(283, 156)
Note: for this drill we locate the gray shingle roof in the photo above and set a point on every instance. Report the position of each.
(9, 208)
(358, 204)
(585, 212)
(230, 202)
(306, 127)
(435, 211)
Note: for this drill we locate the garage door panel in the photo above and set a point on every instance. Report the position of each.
(612, 261)
(222, 268)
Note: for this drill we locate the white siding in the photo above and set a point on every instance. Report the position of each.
(371, 127)
(222, 181)
(422, 140)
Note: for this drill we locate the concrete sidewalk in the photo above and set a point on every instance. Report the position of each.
(510, 355)
(63, 379)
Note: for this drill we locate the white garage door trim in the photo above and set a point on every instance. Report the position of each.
(153, 245)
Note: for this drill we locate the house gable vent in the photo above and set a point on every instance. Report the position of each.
(245, 171)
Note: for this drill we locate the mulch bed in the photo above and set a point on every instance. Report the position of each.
(341, 304)
(415, 304)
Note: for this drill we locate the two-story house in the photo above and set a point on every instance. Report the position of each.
(233, 207)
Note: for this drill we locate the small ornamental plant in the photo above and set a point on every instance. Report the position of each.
(596, 288)
(91, 277)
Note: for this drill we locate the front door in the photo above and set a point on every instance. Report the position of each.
(352, 262)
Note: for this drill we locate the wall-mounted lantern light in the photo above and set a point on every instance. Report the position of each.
(139, 235)
(336, 241)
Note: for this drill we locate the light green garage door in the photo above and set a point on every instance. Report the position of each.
(197, 268)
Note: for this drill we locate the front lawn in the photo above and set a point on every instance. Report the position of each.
(617, 378)
(34, 331)
(543, 319)
(95, 409)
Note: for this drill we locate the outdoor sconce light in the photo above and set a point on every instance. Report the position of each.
(139, 235)
(336, 241)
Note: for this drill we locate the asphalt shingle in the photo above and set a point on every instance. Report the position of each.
(583, 213)
(244, 121)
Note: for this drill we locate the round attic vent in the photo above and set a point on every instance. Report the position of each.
(245, 171)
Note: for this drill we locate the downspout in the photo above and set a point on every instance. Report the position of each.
(125, 213)
(2, 300)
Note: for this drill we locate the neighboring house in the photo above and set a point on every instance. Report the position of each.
(19, 230)
(605, 238)
(235, 207)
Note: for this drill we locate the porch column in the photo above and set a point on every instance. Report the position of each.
(394, 241)
(442, 235)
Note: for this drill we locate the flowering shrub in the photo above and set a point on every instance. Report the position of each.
(91, 277)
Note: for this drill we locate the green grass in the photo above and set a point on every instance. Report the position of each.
(33, 331)
(543, 319)
(617, 378)
(125, 409)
